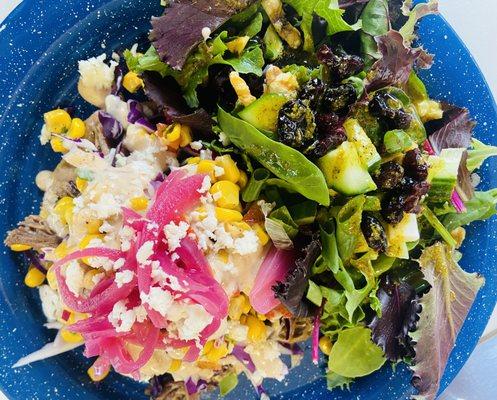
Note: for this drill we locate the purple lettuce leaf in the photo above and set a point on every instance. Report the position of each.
(166, 94)
(112, 129)
(454, 130)
(444, 310)
(396, 62)
(179, 31)
(292, 292)
(398, 316)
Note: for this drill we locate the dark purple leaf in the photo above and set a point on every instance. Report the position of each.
(396, 63)
(112, 129)
(192, 387)
(242, 356)
(165, 93)
(454, 130)
(35, 260)
(146, 124)
(179, 31)
(348, 3)
(398, 316)
(292, 292)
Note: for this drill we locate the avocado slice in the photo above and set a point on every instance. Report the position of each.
(345, 172)
(263, 113)
(365, 148)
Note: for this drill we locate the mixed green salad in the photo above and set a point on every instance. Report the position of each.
(362, 183)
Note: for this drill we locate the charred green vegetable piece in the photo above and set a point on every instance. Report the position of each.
(286, 163)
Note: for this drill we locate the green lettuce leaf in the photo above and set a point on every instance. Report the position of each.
(327, 9)
(195, 70)
(354, 354)
(481, 207)
(479, 154)
(375, 22)
(444, 310)
(419, 11)
(334, 380)
(349, 234)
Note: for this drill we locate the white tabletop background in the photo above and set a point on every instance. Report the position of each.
(476, 23)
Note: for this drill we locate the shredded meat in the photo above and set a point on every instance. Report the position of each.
(34, 232)
(64, 177)
(95, 134)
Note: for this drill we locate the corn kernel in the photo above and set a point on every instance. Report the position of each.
(262, 317)
(175, 366)
(210, 365)
(208, 347)
(243, 319)
(77, 129)
(186, 136)
(71, 337)
(93, 226)
(224, 256)
(237, 45)
(242, 182)
(217, 352)
(237, 307)
(228, 194)
(97, 374)
(81, 184)
(58, 145)
(52, 278)
(173, 133)
(85, 242)
(256, 329)
(64, 207)
(243, 226)
(193, 160)
(88, 279)
(61, 250)
(226, 215)
(132, 82)
(231, 171)
(34, 278)
(139, 203)
(206, 167)
(261, 234)
(20, 247)
(57, 121)
(325, 345)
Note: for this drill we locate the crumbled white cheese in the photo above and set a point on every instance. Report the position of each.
(158, 299)
(206, 185)
(74, 277)
(123, 319)
(124, 277)
(145, 252)
(190, 319)
(127, 235)
(96, 73)
(118, 264)
(266, 357)
(175, 233)
(50, 302)
(197, 145)
(224, 139)
(247, 244)
(174, 257)
(206, 154)
(97, 278)
(218, 171)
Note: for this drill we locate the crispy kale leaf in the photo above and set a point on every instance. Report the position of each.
(179, 31)
(444, 309)
(398, 315)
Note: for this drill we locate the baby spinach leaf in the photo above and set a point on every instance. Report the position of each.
(283, 161)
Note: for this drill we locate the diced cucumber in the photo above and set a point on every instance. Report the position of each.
(365, 148)
(344, 171)
(400, 236)
(443, 174)
(263, 113)
(273, 45)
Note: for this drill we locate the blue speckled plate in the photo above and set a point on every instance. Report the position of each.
(40, 44)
